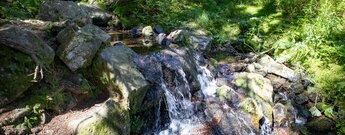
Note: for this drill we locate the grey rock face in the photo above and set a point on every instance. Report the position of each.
(27, 50)
(271, 66)
(56, 10)
(78, 47)
(118, 71)
(177, 36)
(148, 31)
(109, 118)
(26, 42)
(257, 85)
(99, 17)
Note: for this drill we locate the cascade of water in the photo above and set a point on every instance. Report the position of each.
(180, 113)
(265, 127)
(207, 83)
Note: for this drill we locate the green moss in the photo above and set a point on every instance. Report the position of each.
(14, 68)
(114, 120)
(101, 127)
(137, 125)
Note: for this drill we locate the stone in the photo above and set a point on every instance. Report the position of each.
(134, 32)
(116, 70)
(301, 98)
(271, 66)
(27, 42)
(200, 42)
(321, 124)
(279, 115)
(78, 47)
(20, 51)
(110, 118)
(100, 17)
(56, 10)
(162, 40)
(224, 120)
(147, 31)
(279, 84)
(256, 85)
(177, 36)
(226, 93)
(101, 3)
(186, 62)
(158, 29)
(280, 97)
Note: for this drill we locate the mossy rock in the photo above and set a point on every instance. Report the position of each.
(14, 70)
(321, 124)
(116, 72)
(111, 119)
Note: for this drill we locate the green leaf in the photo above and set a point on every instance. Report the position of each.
(314, 111)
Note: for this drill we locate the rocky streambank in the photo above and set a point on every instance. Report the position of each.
(89, 77)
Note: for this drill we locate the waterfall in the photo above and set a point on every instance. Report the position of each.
(186, 111)
(180, 107)
(207, 83)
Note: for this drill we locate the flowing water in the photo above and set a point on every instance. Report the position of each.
(164, 69)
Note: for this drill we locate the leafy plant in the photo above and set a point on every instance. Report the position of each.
(20, 9)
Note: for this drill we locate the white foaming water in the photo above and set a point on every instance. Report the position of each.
(180, 109)
(208, 85)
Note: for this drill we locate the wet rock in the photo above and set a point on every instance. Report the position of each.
(56, 10)
(147, 31)
(321, 124)
(134, 32)
(280, 115)
(228, 94)
(271, 66)
(177, 36)
(200, 42)
(256, 84)
(111, 118)
(301, 99)
(224, 120)
(158, 29)
(297, 88)
(78, 47)
(116, 70)
(250, 106)
(162, 40)
(280, 97)
(182, 59)
(279, 84)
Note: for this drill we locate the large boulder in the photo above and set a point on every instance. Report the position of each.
(57, 10)
(198, 41)
(225, 120)
(20, 51)
(182, 58)
(256, 85)
(27, 42)
(100, 17)
(110, 118)
(321, 124)
(101, 3)
(271, 66)
(117, 71)
(78, 47)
